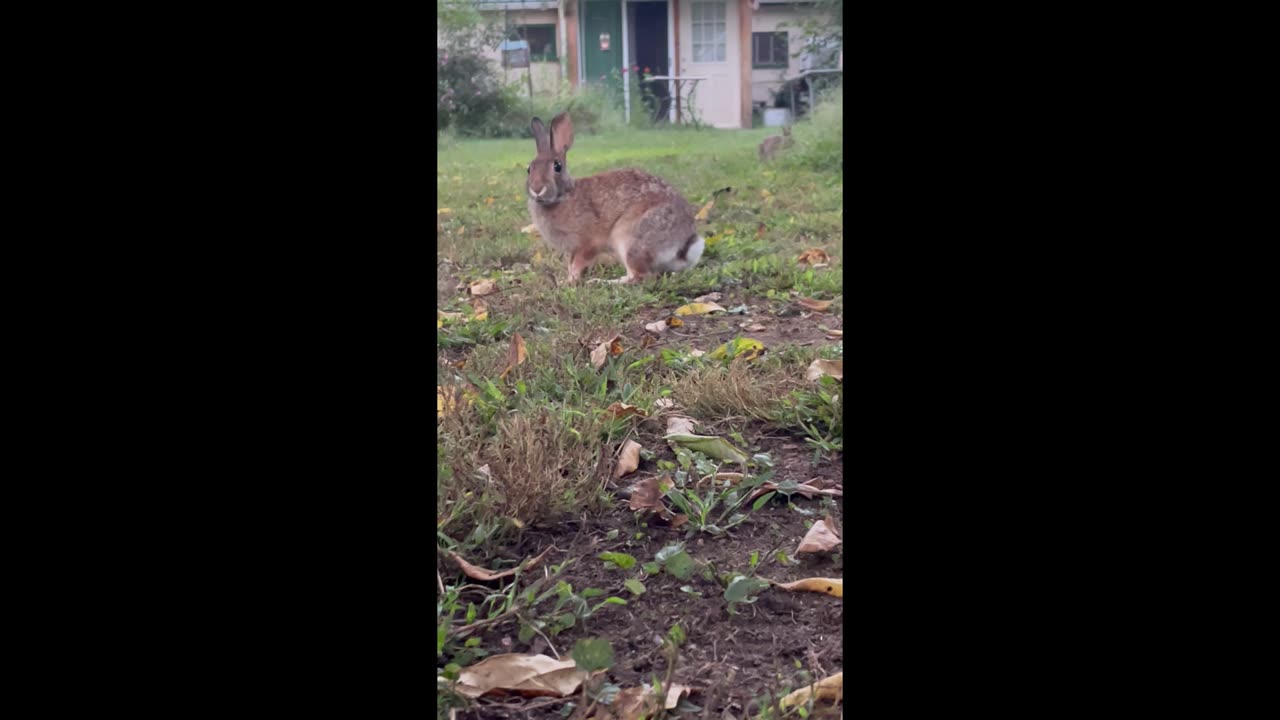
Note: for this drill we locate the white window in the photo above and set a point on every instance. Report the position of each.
(708, 32)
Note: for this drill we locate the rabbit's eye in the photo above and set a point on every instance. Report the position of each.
(557, 166)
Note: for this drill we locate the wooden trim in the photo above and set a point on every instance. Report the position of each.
(744, 60)
(571, 39)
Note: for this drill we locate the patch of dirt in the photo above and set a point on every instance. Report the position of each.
(728, 659)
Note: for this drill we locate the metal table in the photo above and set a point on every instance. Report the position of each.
(678, 84)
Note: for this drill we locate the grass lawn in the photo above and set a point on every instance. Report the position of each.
(529, 437)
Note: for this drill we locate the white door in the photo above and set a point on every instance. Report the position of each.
(709, 48)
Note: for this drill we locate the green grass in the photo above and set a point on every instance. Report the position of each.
(754, 235)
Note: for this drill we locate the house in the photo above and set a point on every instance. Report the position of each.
(740, 48)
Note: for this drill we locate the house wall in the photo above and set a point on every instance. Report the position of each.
(767, 19)
(546, 75)
(718, 100)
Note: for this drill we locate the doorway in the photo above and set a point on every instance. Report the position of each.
(601, 39)
(648, 45)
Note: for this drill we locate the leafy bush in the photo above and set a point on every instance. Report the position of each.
(820, 137)
(469, 95)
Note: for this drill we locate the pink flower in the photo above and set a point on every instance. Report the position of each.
(636, 68)
(646, 71)
(624, 71)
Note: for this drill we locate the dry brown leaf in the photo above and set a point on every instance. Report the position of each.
(637, 702)
(628, 459)
(814, 256)
(806, 489)
(820, 538)
(835, 334)
(657, 328)
(483, 287)
(480, 311)
(664, 403)
(818, 368)
(814, 305)
(830, 586)
(709, 297)
(680, 425)
(753, 327)
(479, 573)
(515, 354)
(827, 689)
(520, 674)
(621, 410)
(760, 230)
(615, 347)
(678, 520)
(647, 495)
(675, 322)
(646, 341)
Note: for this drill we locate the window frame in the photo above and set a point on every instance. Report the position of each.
(695, 24)
(775, 64)
(519, 32)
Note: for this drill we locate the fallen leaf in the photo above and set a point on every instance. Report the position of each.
(732, 478)
(530, 230)
(442, 316)
(827, 689)
(443, 211)
(818, 368)
(814, 305)
(483, 287)
(480, 311)
(766, 193)
(679, 425)
(479, 573)
(637, 702)
(831, 586)
(674, 322)
(805, 489)
(656, 328)
(711, 446)
(743, 347)
(813, 256)
(695, 352)
(515, 354)
(705, 211)
(628, 459)
(665, 404)
(820, 538)
(709, 297)
(621, 410)
(753, 327)
(447, 400)
(646, 341)
(615, 347)
(600, 355)
(647, 495)
(698, 308)
(521, 674)
(835, 334)
(488, 201)
(760, 230)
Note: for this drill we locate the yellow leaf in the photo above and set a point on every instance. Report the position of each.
(456, 178)
(442, 316)
(615, 347)
(711, 239)
(706, 209)
(814, 305)
(537, 256)
(765, 193)
(831, 586)
(697, 308)
(443, 211)
(488, 201)
(675, 322)
(829, 688)
(481, 311)
(742, 347)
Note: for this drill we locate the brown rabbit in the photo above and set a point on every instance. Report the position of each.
(770, 145)
(628, 213)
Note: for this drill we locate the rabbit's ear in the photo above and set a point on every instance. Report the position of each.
(539, 134)
(561, 133)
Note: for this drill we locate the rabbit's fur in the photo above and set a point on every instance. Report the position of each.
(628, 213)
(772, 144)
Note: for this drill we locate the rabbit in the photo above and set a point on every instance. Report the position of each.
(628, 213)
(770, 145)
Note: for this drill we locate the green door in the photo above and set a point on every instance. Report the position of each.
(601, 16)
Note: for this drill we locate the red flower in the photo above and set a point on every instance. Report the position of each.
(646, 71)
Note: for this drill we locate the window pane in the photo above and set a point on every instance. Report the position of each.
(720, 52)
